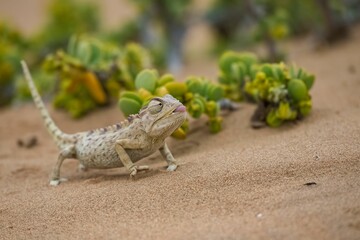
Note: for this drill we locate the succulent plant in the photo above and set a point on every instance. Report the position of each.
(198, 94)
(282, 92)
(235, 69)
(91, 72)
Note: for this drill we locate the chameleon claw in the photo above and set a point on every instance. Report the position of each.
(142, 168)
(56, 182)
(171, 167)
(134, 170)
(133, 174)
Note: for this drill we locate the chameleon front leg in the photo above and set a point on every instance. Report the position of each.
(120, 147)
(165, 152)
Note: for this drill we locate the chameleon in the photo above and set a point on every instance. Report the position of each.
(118, 145)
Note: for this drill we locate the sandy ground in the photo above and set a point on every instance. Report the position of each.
(238, 184)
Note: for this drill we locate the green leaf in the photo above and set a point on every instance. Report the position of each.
(146, 79)
(227, 59)
(166, 78)
(272, 120)
(194, 84)
(215, 92)
(196, 107)
(177, 89)
(212, 108)
(305, 107)
(267, 69)
(132, 95)
(284, 112)
(129, 106)
(215, 124)
(309, 81)
(297, 90)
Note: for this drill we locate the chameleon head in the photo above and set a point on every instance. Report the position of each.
(162, 116)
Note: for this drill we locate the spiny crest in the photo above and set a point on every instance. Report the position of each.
(114, 127)
(131, 117)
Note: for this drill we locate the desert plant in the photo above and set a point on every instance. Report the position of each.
(198, 94)
(90, 72)
(281, 92)
(235, 69)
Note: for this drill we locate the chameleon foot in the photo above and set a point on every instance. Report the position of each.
(56, 182)
(136, 169)
(171, 167)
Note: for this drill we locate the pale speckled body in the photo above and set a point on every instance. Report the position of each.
(118, 145)
(97, 149)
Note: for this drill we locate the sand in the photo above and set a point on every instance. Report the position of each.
(238, 184)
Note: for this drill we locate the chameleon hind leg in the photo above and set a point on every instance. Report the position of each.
(55, 174)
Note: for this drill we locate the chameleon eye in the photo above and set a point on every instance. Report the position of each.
(154, 109)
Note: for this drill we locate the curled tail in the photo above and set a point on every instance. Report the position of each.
(59, 137)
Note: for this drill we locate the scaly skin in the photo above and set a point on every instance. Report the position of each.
(118, 145)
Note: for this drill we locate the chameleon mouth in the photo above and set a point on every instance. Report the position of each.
(180, 108)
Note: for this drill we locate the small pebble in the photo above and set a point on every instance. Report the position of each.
(226, 104)
(310, 183)
(27, 142)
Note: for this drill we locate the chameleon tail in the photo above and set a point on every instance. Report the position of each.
(58, 136)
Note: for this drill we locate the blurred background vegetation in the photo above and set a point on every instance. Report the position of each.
(84, 53)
